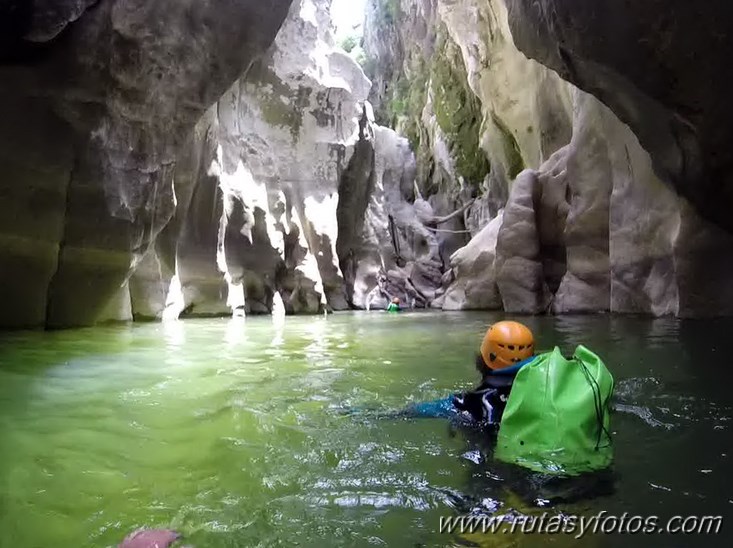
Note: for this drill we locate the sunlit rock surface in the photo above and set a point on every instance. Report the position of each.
(257, 188)
(96, 101)
(657, 65)
(595, 230)
(589, 226)
(169, 159)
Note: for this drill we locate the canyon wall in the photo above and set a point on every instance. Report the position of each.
(193, 158)
(96, 99)
(289, 196)
(570, 212)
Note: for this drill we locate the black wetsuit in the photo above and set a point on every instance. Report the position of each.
(482, 406)
(486, 403)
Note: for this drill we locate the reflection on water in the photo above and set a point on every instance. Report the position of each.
(231, 430)
(174, 332)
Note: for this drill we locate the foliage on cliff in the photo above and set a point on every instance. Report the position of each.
(458, 112)
(437, 80)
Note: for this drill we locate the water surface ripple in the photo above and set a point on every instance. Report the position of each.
(233, 430)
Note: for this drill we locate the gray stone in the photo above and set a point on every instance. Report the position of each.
(657, 65)
(519, 272)
(586, 287)
(284, 137)
(471, 281)
(88, 163)
(394, 252)
(590, 228)
(50, 17)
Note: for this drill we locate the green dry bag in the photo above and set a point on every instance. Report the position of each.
(557, 417)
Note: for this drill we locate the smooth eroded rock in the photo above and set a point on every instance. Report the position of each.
(93, 121)
(657, 65)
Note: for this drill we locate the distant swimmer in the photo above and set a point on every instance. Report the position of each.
(394, 306)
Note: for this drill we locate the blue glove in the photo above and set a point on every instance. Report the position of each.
(439, 409)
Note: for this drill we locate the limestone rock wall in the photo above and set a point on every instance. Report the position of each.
(447, 75)
(594, 230)
(571, 214)
(160, 159)
(96, 100)
(287, 134)
(391, 251)
(289, 194)
(657, 65)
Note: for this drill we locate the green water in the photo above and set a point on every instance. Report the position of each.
(230, 430)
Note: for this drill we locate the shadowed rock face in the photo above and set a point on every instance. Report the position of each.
(657, 64)
(256, 224)
(384, 246)
(95, 106)
(595, 230)
(50, 17)
(595, 223)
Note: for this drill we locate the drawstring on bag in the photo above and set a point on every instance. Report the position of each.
(563, 432)
(598, 404)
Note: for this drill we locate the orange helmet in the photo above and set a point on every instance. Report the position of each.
(506, 343)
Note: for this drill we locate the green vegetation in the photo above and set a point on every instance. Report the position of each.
(442, 74)
(348, 43)
(458, 112)
(352, 45)
(512, 154)
(391, 10)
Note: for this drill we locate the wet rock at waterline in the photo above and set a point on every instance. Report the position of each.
(95, 105)
(594, 230)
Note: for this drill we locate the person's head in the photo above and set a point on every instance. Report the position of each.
(506, 343)
(395, 300)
